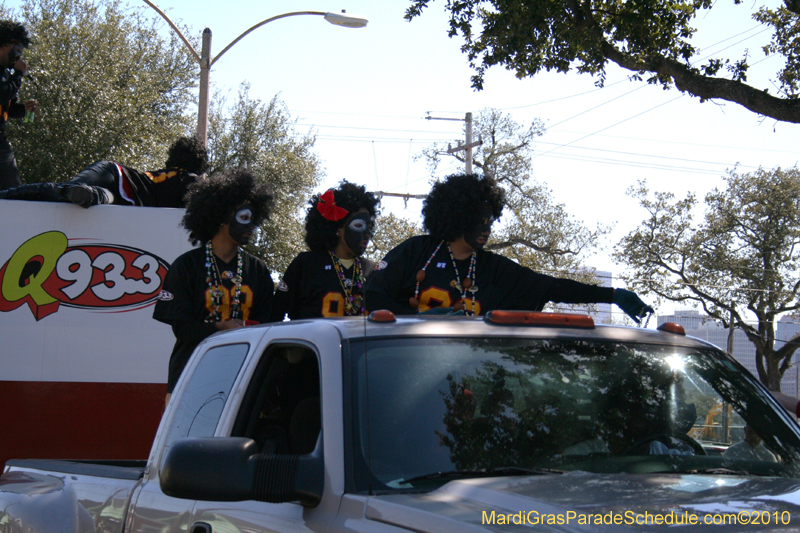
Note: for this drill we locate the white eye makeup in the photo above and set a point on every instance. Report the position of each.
(357, 224)
(244, 216)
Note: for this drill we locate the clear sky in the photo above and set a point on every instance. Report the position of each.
(365, 93)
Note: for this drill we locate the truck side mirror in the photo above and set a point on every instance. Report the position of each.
(228, 469)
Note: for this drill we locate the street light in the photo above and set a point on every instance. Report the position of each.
(205, 61)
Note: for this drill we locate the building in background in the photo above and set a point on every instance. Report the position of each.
(708, 329)
(786, 329)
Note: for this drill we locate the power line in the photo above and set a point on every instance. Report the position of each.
(732, 37)
(667, 141)
(351, 138)
(609, 127)
(639, 154)
(599, 105)
(569, 157)
(549, 130)
(635, 164)
(375, 129)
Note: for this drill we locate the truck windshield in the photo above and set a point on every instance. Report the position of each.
(431, 410)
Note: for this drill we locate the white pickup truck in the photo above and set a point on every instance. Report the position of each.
(512, 422)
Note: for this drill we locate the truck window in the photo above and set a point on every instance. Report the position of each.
(205, 395)
(428, 406)
(281, 409)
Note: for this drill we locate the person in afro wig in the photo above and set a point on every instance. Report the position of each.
(327, 280)
(218, 285)
(449, 271)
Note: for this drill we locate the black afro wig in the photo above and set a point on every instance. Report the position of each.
(11, 32)
(189, 154)
(459, 203)
(211, 202)
(321, 232)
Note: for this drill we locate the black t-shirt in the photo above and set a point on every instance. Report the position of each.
(502, 283)
(159, 188)
(310, 288)
(9, 89)
(185, 301)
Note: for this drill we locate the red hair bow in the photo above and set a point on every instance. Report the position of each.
(327, 207)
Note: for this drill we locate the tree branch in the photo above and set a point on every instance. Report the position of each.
(707, 88)
(539, 248)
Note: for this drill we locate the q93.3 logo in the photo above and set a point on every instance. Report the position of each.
(46, 272)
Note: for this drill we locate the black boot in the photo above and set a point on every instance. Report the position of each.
(40, 192)
(85, 195)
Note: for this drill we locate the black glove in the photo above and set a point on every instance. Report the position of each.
(633, 306)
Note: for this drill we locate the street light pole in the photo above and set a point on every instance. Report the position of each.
(202, 99)
(205, 60)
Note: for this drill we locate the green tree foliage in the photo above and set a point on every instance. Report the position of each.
(109, 84)
(742, 259)
(535, 231)
(652, 38)
(262, 137)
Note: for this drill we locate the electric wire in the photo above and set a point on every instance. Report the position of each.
(609, 127)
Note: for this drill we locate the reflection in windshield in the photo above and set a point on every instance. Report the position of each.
(447, 405)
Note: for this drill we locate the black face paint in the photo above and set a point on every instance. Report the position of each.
(357, 233)
(485, 227)
(15, 54)
(241, 224)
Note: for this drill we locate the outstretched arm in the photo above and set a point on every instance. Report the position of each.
(570, 291)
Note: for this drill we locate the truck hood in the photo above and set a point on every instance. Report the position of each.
(576, 501)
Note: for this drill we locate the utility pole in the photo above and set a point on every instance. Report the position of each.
(404, 196)
(468, 145)
(205, 69)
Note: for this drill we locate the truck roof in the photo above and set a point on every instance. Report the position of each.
(548, 327)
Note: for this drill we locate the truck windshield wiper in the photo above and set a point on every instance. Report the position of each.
(487, 472)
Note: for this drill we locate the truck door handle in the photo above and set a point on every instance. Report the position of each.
(201, 527)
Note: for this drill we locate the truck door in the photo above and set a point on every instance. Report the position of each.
(195, 413)
(281, 411)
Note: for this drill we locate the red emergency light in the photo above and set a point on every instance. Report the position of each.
(382, 315)
(672, 327)
(533, 318)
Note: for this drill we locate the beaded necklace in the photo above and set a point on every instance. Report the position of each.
(469, 282)
(353, 303)
(468, 285)
(214, 279)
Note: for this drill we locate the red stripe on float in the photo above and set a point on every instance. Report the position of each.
(57, 420)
